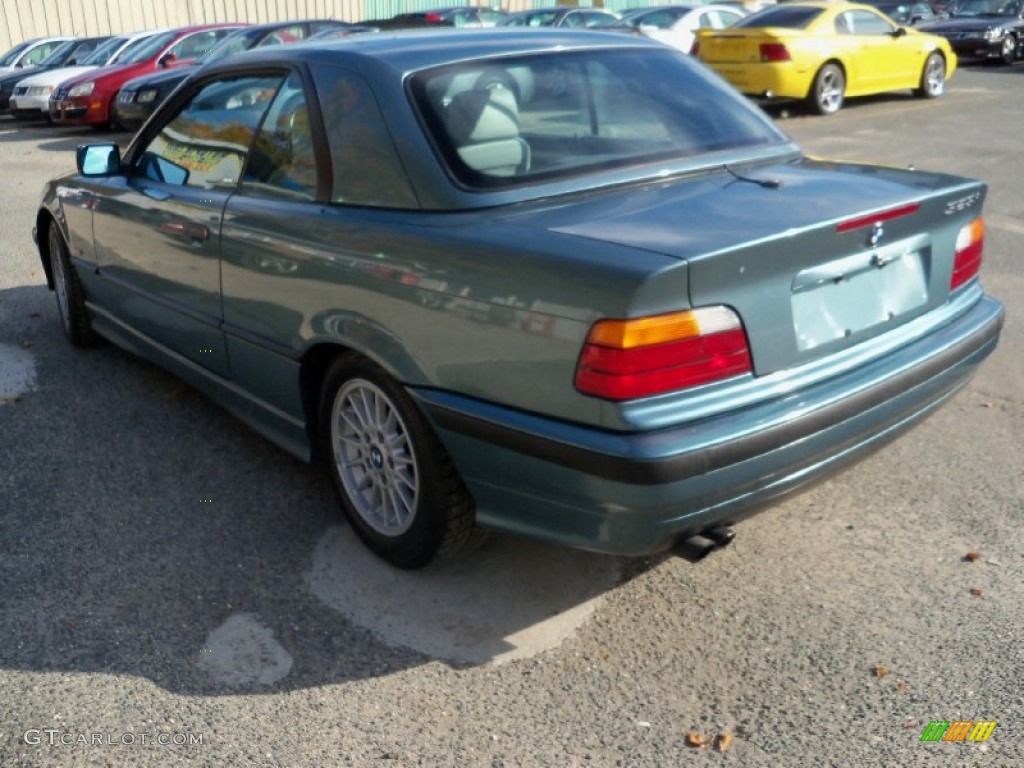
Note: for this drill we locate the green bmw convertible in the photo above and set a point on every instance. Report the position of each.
(558, 284)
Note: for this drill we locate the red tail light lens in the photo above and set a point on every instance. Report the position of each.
(627, 359)
(695, 48)
(774, 52)
(970, 243)
(433, 18)
(878, 218)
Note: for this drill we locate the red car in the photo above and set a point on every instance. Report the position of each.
(89, 98)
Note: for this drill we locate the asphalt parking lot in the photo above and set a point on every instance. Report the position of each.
(176, 590)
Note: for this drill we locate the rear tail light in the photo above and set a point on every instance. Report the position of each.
(774, 52)
(626, 359)
(970, 242)
(433, 18)
(695, 48)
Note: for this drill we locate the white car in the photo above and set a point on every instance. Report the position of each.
(31, 97)
(30, 52)
(675, 25)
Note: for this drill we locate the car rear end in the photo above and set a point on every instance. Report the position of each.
(767, 55)
(738, 327)
(787, 357)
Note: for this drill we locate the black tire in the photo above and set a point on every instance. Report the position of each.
(406, 472)
(828, 90)
(933, 77)
(74, 317)
(1008, 50)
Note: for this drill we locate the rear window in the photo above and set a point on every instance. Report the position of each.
(785, 16)
(513, 121)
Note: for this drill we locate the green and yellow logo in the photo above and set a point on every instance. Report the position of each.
(959, 730)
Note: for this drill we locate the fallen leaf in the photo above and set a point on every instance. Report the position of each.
(723, 741)
(174, 394)
(902, 685)
(881, 670)
(695, 739)
(986, 405)
(970, 557)
(977, 591)
(603, 655)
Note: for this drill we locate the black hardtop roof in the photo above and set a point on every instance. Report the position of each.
(411, 50)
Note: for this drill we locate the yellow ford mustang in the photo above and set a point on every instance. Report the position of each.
(824, 52)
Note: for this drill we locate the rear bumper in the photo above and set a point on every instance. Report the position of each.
(775, 80)
(636, 493)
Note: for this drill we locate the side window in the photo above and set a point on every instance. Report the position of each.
(366, 167)
(283, 162)
(38, 54)
(206, 143)
(844, 24)
(726, 18)
(706, 20)
(867, 23)
(196, 45)
(284, 36)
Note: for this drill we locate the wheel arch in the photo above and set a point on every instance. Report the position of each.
(317, 359)
(44, 220)
(831, 60)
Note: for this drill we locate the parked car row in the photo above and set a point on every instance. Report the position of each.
(72, 88)
(795, 50)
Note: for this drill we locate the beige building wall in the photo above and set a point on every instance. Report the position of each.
(23, 19)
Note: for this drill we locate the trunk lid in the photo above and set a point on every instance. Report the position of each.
(742, 46)
(804, 264)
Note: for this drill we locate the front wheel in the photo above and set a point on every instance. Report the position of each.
(1008, 50)
(933, 77)
(827, 92)
(397, 485)
(74, 317)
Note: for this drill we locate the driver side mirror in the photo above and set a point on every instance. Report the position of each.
(167, 59)
(899, 32)
(97, 160)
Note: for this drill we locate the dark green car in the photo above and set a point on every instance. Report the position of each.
(566, 285)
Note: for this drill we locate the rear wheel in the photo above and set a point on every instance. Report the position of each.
(828, 91)
(74, 317)
(933, 77)
(397, 485)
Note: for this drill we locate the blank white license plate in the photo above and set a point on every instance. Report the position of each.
(837, 300)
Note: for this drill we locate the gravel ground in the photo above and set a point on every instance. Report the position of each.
(163, 569)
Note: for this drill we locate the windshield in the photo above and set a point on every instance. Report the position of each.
(785, 16)
(986, 8)
(662, 18)
(12, 55)
(104, 52)
(148, 50)
(535, 118)
(59, 54)
(236, 42)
